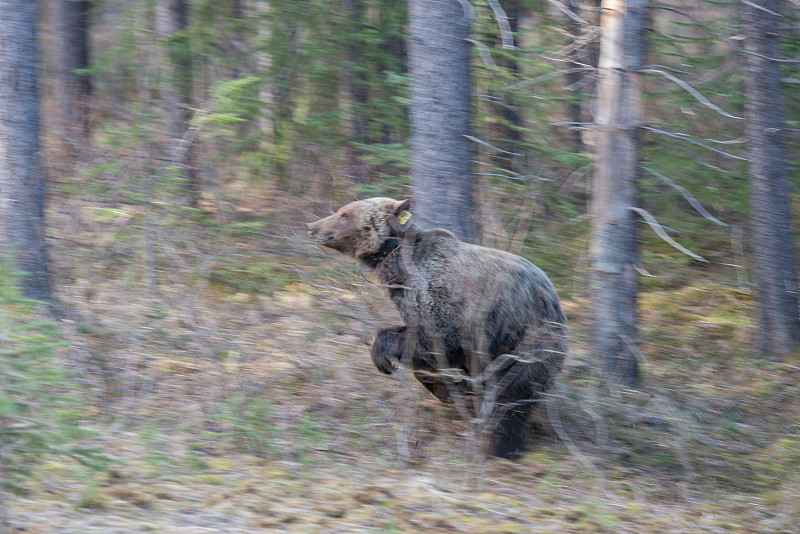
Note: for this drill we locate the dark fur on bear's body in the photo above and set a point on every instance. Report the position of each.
(478, 321)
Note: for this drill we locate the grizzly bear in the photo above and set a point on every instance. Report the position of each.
(481, 325)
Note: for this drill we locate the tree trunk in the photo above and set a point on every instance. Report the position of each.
(614, 247)
(73, 54)
(441, 155)
(356, 83)
(237, 41)
(774, 268)
(574, 107)
(507, 110)
(22, 188)
(172, 19)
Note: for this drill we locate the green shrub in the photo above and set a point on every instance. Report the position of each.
(36, 418)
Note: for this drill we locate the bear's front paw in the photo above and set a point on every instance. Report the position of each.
(387, 349)
(383, 363)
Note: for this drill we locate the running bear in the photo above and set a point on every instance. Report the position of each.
(481, 325)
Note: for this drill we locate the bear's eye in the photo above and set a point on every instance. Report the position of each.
(344, 216)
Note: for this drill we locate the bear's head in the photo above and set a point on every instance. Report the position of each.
(362, 228)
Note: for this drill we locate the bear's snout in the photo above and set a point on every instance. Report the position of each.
(314, 232)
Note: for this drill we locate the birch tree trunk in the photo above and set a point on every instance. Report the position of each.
(441, 155)
(774, 255)
(73, 54)
(614, 247)
(22, 188)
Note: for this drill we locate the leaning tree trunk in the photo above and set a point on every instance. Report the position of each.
(774, 268)
(75, 88)
(22, 188)
(613, 247)
(441, 155)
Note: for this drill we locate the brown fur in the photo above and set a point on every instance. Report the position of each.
(478, 321)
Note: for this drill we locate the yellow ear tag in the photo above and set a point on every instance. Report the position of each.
(403, 217)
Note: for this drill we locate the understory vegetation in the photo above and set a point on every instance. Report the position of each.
(212, 373)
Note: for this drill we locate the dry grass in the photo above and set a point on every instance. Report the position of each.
(233, 410)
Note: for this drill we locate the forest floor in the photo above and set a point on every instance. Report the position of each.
(232, 410)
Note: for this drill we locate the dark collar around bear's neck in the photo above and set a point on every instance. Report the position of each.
(399, 236)
(389, 247)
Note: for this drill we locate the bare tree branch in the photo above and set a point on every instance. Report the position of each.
(558, 426)
(687, 195)
(737, 141)
(502, 22)
(485, 53)
(692, 141)
(469, 9)
(547, 76)
(586, 37)
(762, 8)
(568, 12)
(484, 143)
(692, 91)
(649, 219)
(727, 41)
(671, 69)
(523, 177)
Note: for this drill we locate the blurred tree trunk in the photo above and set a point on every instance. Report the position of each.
(356, 83)
(613, 248)
(774, 265)
(441, 155)
(22, 188)
(172, 19)
(72, 19)
(511, 124)
(581, 57)
(237, 14)
(574, 111)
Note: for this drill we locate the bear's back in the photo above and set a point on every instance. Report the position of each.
(484, 284)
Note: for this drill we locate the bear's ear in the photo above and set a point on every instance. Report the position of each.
(402, 211)
(402, 205)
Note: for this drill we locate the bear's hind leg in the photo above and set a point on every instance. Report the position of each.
(510, 435)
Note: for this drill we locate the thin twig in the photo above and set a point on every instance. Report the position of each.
(544, 77)
(502, 22)
(692, 91)
(728, 42)
(469, 9)
(485, 53)
(663, 235)
(762, 8)
(484, 143)
(568, 12)
(690, 140)
(687, 195)
(558, 426)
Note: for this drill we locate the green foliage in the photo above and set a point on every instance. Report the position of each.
(235, 108)
(319, 52)
(257, 278)
(36, 417)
